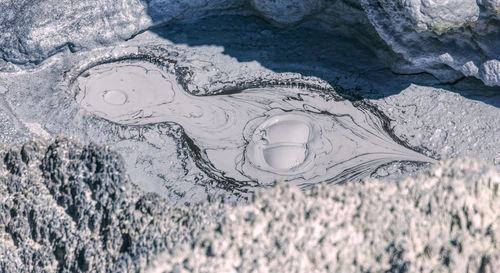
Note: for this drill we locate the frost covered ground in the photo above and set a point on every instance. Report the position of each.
(204, 98)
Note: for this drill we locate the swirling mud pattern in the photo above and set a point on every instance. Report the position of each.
(257, 136)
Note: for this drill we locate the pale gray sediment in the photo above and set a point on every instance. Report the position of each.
(260, 135)
(71, 207)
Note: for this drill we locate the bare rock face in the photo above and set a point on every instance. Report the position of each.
(32, 31)
(165, 10)
(446, 220)
(449, 39)
(492, 7)
(437, 16)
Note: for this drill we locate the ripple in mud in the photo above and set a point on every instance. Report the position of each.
(261, 135)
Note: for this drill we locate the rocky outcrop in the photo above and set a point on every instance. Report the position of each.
(35, 30)
(449, 39)
(67, 207)
(447, 220)
(287, 12)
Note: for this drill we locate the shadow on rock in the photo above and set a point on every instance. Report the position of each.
(360, 68)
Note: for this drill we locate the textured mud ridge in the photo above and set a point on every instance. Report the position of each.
(450, 39)
(67, 207)
(256, 135)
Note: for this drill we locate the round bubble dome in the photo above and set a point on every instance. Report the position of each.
(123, 90)
(281, 144)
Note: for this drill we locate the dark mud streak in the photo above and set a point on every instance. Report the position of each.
(166, 60)
(200, 158)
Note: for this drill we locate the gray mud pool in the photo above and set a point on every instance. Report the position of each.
(230, 104)
(256, 136)
(250, 136)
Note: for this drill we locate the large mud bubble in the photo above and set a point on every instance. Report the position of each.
(260, 134)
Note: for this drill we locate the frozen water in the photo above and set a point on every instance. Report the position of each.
(258, 135)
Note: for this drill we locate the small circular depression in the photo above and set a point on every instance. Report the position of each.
(126, 91)
(287, 131)
(115, 97)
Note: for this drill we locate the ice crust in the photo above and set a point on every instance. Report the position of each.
(71, 207)
(450, 39)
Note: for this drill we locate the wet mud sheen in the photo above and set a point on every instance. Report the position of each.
(253, 137)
